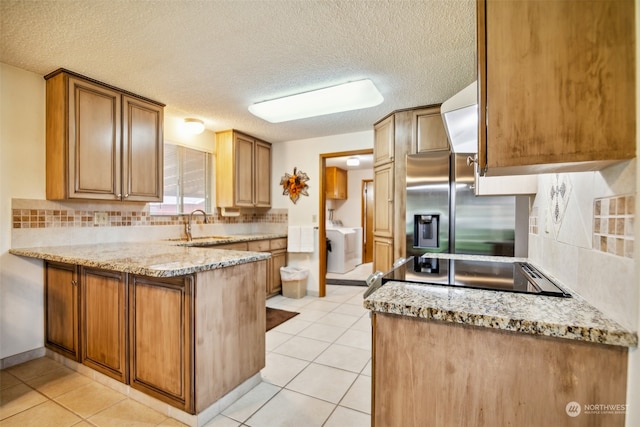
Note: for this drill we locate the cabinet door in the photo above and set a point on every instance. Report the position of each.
(161, 338)
(61, 309)
(556, 85)
(94, 165)
(383, 200)
(383, 144)
(278, 259)
(382, 254)
(429, 133)
(262, 197)
(335, 183)
(341, 184)
(244, 171)
(142, 161)
(104, 321)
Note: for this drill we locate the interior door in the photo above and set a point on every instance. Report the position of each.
(367, 221)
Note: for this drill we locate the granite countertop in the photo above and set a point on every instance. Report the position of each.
(221, 240)
(571, 318)
(154, 259)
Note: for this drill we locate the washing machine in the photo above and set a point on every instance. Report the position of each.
(346, 251)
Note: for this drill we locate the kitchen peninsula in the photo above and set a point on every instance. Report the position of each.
(182, 324)
(459, 356)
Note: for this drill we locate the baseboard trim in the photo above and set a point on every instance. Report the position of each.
(19, 358)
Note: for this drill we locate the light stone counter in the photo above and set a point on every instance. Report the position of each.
(222, 240)
(570, 318)
(154, 259)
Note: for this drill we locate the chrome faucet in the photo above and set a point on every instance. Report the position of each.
(188, 224)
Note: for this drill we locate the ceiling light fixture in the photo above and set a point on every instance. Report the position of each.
(353, 161)
(334, 99)
(194, 126)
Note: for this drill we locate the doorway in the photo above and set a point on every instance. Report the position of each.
(367, 220)
(322, 214)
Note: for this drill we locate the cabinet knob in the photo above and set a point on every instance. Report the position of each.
(472, 160)
(126, 195)
(74, 282)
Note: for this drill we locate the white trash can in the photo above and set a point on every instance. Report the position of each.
(294, 281)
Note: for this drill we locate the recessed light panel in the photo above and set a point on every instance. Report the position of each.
(345, 97)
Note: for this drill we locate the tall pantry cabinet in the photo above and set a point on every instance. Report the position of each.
(103, 143)
(402, 132)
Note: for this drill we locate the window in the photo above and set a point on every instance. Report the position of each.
(187, 181)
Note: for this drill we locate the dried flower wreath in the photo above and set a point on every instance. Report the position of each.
(294, 185)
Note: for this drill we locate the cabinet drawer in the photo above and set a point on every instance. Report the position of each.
(259, 246)
(278, 243)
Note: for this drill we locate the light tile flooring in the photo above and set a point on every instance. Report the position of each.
(318, 373)
(361, 272)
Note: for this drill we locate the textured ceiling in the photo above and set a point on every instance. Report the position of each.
(212, 59)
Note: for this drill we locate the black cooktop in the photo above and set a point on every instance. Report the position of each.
(519, 277)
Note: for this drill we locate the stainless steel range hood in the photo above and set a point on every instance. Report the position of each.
(460, 115)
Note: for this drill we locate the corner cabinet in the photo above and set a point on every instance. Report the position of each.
(556, 85)
(336, 183)
(102, 143)
(243, 171)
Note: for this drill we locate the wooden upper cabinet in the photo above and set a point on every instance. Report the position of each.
(101, 143)
(262, 174)
(243, 171)
(556, 85)
(336, 183)
(429, 133)
(384, 141)
(142, 153)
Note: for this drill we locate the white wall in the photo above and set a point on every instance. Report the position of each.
(22, 170)
(22, 176)
(349, 211)
(305, 155)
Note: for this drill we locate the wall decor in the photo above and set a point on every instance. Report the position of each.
(559, 198)
(295, 185)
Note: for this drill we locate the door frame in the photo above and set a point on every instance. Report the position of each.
(363, 215)
(322, 221)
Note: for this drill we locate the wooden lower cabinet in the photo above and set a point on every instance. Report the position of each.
(445, 374)
(278, 259)
(278, 249)
(104, 322)
(382, 253)
(62, 309)
(161, 338)
(229, 324)
(186, 340)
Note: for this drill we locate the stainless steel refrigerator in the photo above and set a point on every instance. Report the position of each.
(445, 216)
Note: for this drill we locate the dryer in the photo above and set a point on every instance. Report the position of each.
(346, 251)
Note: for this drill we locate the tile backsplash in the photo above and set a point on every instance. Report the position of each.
(50, 214)
(613, 225)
